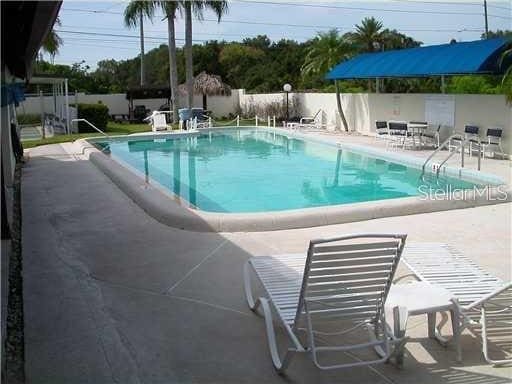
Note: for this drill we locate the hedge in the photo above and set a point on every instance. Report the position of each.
(29, 118)
(96, 114)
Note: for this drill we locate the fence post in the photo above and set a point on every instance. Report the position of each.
(274, 120)
(209, 122)
(256, 120)
(268, 121)
(41, 105)
(237, 120)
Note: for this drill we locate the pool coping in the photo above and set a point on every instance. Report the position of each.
(159, 205)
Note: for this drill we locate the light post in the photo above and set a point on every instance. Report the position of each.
(287, 88)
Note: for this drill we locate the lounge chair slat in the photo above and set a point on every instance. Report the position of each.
(357, 254)
(318, 249)
(351, 269)
(348, 277)
(354, 261)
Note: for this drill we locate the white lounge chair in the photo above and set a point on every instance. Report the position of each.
(158, 121)
(312, 122)
(341, 282)
(484, 302)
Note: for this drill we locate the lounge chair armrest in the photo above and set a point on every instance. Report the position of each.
(489, 296)
(307, 120)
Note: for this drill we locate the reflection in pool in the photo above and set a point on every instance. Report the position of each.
(256, 170)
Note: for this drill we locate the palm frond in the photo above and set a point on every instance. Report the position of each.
(135, 8)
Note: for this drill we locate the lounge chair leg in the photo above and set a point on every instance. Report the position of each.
(400, 317)
(431, 325)
(456, 330)
(248, 288)
(279, 365)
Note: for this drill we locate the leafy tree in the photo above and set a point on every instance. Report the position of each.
(392, 39)
(472, 84)
(498, 33)
(238, 58)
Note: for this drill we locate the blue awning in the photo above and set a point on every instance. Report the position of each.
(473, 57)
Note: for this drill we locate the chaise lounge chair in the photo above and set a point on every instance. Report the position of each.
(312, 122)
(484, 302)
(341, 282)
(158, 121)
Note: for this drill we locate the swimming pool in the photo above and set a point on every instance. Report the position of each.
(258, 170)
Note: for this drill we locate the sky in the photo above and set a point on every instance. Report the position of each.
(94, 30)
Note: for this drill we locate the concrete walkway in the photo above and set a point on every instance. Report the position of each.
(112, 296)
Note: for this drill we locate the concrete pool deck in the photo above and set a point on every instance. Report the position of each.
(164, 206)
(113, 296)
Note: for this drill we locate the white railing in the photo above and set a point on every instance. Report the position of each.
(90, 124)
(211, 123)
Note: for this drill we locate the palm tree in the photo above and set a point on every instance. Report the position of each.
(52, 42)
(197, 6)
(169, 8)
(368, 35)
(134, 14)
(327, 50)
(506, 83)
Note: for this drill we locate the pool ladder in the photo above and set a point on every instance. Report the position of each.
(463, 142)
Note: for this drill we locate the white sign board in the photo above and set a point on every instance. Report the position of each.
(440, 109)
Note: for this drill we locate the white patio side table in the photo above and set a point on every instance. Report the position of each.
(421, 298)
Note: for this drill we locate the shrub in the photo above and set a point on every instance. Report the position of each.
(96, 114)
(29, 118)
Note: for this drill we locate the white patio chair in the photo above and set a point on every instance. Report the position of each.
(381, 130)
(399, 134)
(432, 135)
(158, 121)
(471, 136)
(492, 144)
(341, 282)
(484, 301)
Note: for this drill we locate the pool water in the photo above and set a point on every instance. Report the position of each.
(256, 170)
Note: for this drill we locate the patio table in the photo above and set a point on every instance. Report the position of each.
(422, 298)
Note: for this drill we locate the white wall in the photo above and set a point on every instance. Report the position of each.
(484, 111)
(118, 104)
(361, 110)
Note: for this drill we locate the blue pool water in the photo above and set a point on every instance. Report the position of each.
(255, 170)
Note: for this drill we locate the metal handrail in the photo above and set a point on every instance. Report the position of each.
(443, 144)
(90, 124)
(463, 140)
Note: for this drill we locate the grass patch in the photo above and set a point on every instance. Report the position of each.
(114, 129)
